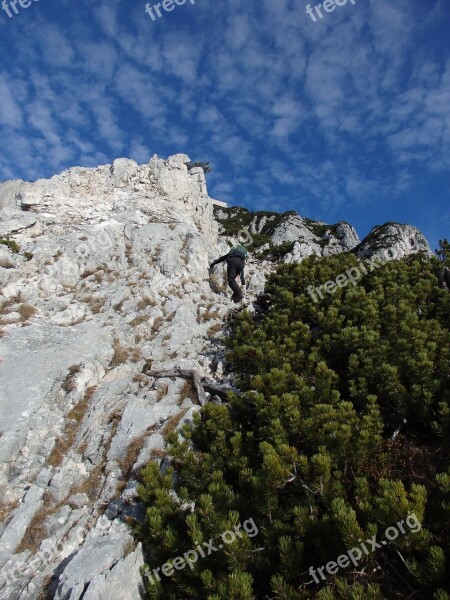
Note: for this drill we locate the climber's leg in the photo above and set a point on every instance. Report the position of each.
(234, 265)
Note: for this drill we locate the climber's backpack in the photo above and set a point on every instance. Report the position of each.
(239, 251)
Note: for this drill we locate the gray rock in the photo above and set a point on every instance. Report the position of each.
(394, 241)
(37, 357)
(23, 221)
(96, 557)
(12, 535)
(122, 582)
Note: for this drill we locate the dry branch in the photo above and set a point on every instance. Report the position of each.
(199, 384)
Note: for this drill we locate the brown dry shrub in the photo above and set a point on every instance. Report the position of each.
(97, 305)
(36, 531)
(6, 263)
(217, 284)
(121, 354)
(92, 485)
(187, 391)
(127, 463)
(139, 320)
(69, 383)
(172, 423)
(136, 355)
(148, 366)
(158, 454)
(6, 509)
(208, 315)
(124, 353)
(69, 435)
(129, 460)
(26, 312)
(214, 329)
(88, 273)
(7, 306)
(157, 325)
(146, 301)
(118, 307)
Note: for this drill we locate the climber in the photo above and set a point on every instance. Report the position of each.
(235, 268)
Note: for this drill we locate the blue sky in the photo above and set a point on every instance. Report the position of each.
(344, 118)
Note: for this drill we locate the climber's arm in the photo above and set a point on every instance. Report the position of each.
(219, 260)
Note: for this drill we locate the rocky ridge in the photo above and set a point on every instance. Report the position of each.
(304, 237)
(104, 281)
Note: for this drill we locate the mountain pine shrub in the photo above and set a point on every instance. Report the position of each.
(342, 430)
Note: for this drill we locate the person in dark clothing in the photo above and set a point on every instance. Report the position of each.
(235, 268)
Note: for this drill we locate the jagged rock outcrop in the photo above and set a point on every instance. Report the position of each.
(444, 278)
(104, 286)
(393, 241)
(308, 237)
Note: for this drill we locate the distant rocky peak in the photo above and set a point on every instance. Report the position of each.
(303, 237)
(394, 241)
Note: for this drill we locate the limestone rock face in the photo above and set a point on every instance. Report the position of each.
(306, 237)
(130, 193)
(104, 276)
(394, 241)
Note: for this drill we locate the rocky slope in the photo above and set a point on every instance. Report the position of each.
(104, 282)
(304, 237)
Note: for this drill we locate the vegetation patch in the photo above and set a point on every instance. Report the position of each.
(157, 323)
(172, 423)
(26, 311)
(124, 353)
(146, 302)
(11, 244)
(69, 384)
(277, 252)
(139, 320)
(341, 431)
(72, 424)
(36, 531)
(6, 509)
